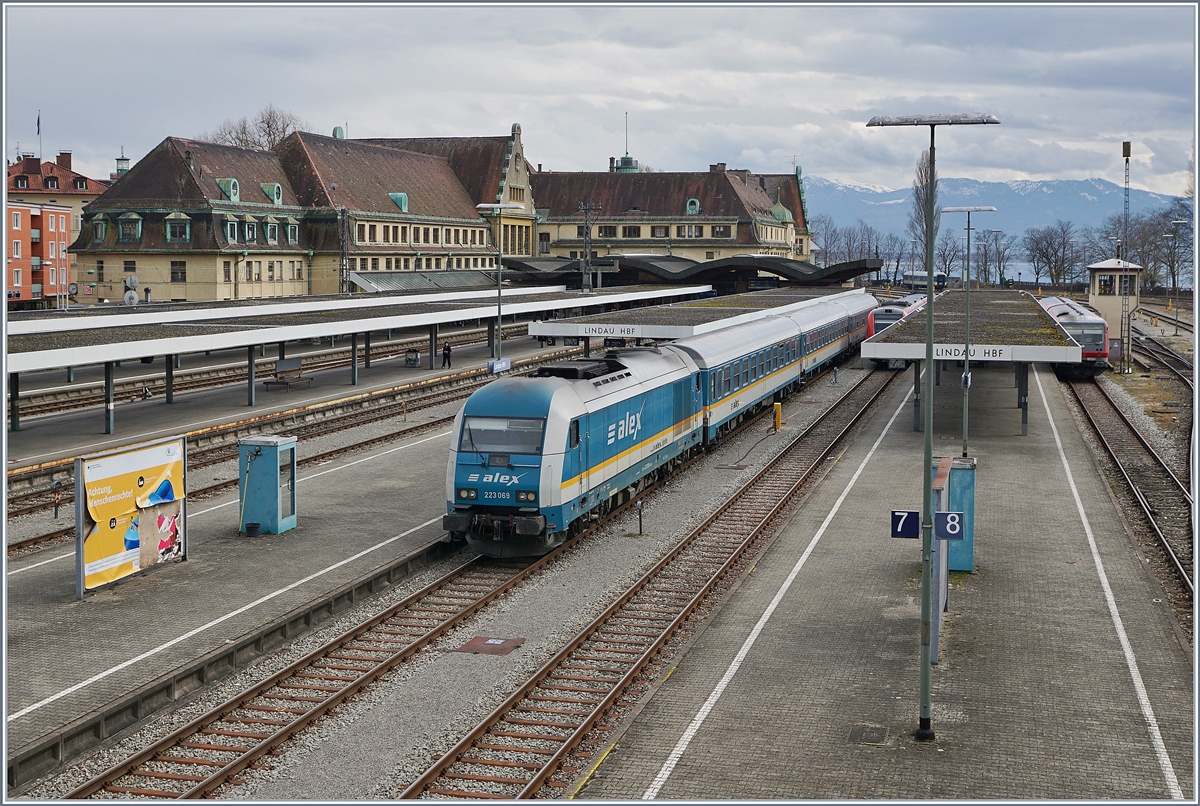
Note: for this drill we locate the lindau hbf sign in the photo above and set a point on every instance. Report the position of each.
(986, 352)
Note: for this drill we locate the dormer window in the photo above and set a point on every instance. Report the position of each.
(21, 182)
(80, 183)
(293, 231)
(51, 182)
(230, 188)
(179, 228)
(129, 227)
(99, 230)
(693, 206)
(251, 232)
(231, 231)
(272, 233)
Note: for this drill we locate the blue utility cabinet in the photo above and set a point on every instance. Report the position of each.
(267, 483)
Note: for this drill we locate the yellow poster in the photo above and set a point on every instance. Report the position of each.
(133, 510)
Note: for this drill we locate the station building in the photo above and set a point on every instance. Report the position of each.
(693, 215)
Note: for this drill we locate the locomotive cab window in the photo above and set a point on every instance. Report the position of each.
(574, 434)
(502, 435)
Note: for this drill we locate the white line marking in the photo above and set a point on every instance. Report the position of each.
(213, 623)
(228, 503)
(1160, 749)
(682, 745)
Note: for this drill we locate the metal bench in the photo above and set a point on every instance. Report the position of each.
(287, 372)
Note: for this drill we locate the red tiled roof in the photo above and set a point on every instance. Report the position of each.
(66, 179)
(359, 175)
(478, 161)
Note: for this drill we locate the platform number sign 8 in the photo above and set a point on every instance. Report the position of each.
(906, 523)
(948, 525)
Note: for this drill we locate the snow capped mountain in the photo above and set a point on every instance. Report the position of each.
(1020, 204)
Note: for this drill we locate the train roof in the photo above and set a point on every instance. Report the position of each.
(714, 349)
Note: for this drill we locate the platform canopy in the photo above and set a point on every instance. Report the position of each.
(1006, 326)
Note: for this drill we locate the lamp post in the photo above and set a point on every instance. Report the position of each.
(966, 376)
(925, 729)
(1173, 257)
(496, 207)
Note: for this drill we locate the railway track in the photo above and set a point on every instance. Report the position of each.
(1170, 318)
(1178, 366)
(529, 742)
(1165, 501)
(214, 748)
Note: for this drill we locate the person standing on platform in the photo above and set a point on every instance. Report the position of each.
(446, 355)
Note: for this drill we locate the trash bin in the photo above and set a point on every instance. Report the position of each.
(412, 358)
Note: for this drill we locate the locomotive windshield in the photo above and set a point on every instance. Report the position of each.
(501, 435)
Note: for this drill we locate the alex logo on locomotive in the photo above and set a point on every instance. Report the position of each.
(497, 478)
(627, 427)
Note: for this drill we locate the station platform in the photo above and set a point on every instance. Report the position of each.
(1061, 675)
(364, 522)
(46, 438)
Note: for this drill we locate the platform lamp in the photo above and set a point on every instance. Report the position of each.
(1173, 235)
(496, 207)
(966, 376)
(925, 729)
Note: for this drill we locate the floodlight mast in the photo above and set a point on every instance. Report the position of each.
(966, 376)
(497, 208)
(924, 730)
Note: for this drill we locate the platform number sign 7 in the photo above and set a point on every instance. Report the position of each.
(906, 523)
(948, 525)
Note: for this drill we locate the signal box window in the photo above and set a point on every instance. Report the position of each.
(1106, 284)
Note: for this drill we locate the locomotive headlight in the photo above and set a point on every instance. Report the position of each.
(528, 497)
(468, 493)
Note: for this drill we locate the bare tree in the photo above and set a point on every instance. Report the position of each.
(826, 237)
(916, 215)
(1004, 247)
(948, 251)
(268, 128)
(891, 251)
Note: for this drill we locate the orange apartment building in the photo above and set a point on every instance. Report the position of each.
(45, 202)
(38, 262)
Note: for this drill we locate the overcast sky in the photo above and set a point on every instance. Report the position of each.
(753, 87)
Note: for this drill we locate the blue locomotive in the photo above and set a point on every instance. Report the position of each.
(533, 459)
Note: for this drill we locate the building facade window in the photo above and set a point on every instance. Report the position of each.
(720, 231)
(16, 278)
(50, 222)
(257, 271)
(371, 233)
(16, 219)
(80, 183)
(660, 231)
(543, 243)
(16, 250)
(689, 231)
(387, 234)
(62, 223)
(52, 250)
(99, 271)
(631, 232)
(53, 276)
(130, 265)
(436, 232)
(271, 271)
(227, 272)
(374, 264)
(362, 233)
(178, 271)
(607, 231)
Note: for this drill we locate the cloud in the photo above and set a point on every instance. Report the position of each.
(701, 84)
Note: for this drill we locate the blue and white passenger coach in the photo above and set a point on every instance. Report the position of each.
(534, 458)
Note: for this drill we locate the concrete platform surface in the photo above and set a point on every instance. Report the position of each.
(1034, 696)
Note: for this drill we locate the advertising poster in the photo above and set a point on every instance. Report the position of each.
(132, 513)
